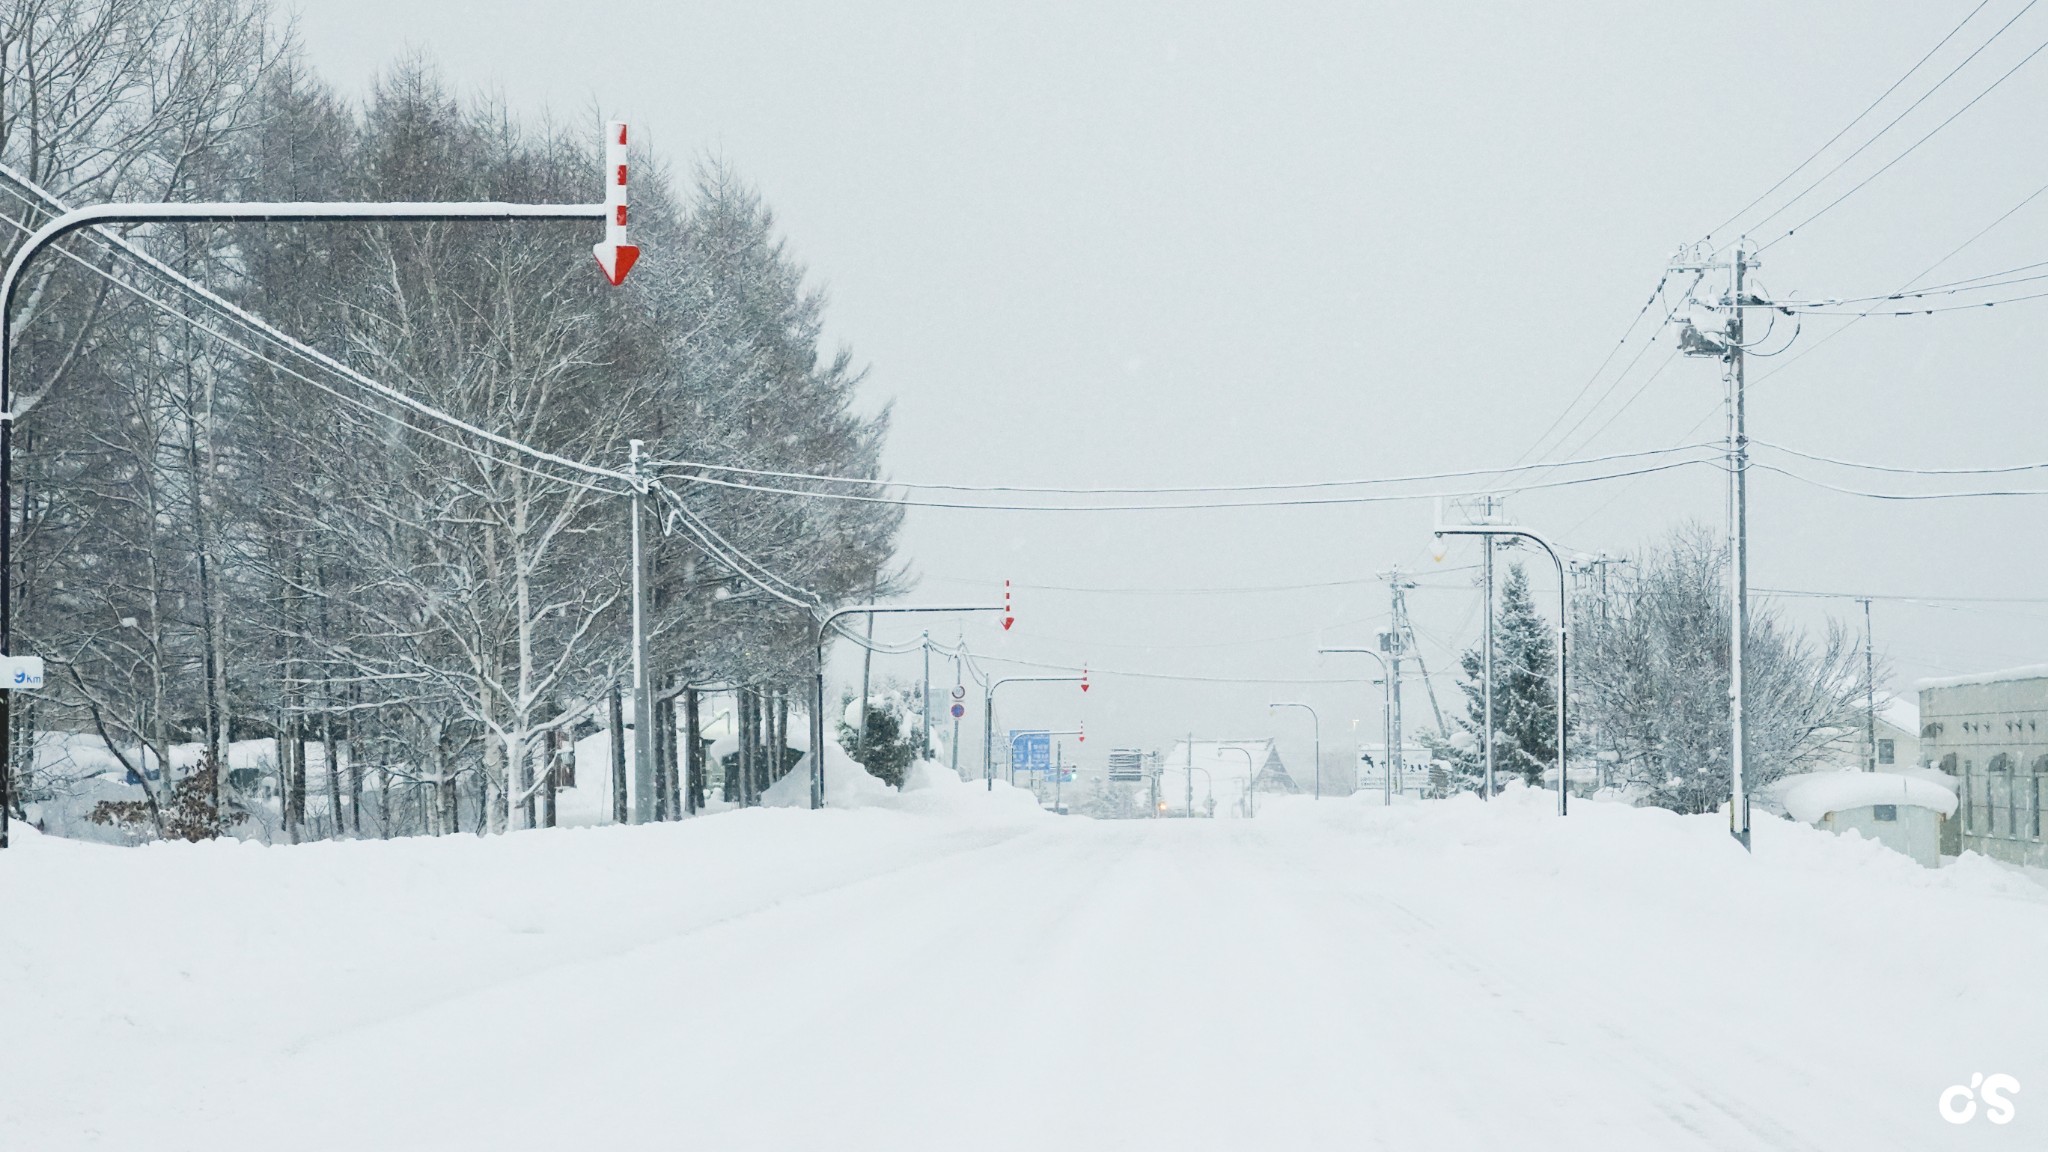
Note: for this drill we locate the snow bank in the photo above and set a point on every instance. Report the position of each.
(1462, 974)
(1810, 797)
(847, 784)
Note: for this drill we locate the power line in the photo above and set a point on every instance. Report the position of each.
(1116, 490)
(1901, 496)
(1125, 590)
(1295, 502)
(110, 237)
(1904, 470)
(257, 355)
(1911, 148)
(1857, 119)
(1900, 597)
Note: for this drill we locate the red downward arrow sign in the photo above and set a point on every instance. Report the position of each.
(615, 260)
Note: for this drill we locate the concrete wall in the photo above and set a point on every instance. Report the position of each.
(1993, 737)
(1914, 831)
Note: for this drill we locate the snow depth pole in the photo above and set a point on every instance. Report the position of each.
(1386, 716)
(279, 212)
(823, 624)
(1318, 722)
(1564, 630)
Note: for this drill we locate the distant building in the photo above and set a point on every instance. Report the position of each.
(1898, 738)
(1990, 732)
(1195, 773)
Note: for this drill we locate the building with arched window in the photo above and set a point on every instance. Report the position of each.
(1990, 732)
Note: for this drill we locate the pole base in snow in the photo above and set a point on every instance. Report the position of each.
(1742, 838)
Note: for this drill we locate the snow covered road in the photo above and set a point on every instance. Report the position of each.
(974, 975)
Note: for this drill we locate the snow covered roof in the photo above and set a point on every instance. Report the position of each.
(1224, 764)
(1901, 712)
(1809, 798)
(2023, 672)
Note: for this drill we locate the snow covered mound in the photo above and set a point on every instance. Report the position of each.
(1811, 797)
(928, 786)
(847, 784)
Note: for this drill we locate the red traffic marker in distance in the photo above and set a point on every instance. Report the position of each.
(1007, 618)
(1084, 677)
(615, 257)
(1082, 734)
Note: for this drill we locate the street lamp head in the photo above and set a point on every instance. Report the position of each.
(1439, 548)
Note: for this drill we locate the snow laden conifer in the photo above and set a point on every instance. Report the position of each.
(1524, 697)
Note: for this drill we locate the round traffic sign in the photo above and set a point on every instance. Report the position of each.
(959, 710)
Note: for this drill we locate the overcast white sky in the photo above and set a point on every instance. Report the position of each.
(1171, 243)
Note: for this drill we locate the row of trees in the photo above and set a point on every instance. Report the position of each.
(1649, 681)
(221, 539)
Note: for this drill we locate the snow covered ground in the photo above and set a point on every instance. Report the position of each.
(957, 970)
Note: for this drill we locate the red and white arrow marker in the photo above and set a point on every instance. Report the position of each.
(1082, 735)
(615, 257)
(1007, 618)
(1084, 677)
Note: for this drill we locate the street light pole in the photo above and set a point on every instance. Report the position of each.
(1251, 779)
(98, 215)
(988, 717)
(1318, 721)
(822, 624)
(1564, 629)
(1386, 717)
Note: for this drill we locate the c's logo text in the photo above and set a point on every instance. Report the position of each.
(1958, 1103)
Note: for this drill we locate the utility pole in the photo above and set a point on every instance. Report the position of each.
(1738, 489)
(1394, 642)
(643, 695)
(1869, 691)
(1728, 349)
(867, 667)
(924, 704)
(1486, 568)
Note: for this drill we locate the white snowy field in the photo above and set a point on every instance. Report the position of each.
(960, 971)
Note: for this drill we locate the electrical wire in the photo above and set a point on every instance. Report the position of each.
(1818, 310)
(1900, 597)
(1295, 502)
(1857, 119)
(109, 236)
(257, 355)
(1115, 490)
(1911, 148)
(1755, 466)
(1903, 470)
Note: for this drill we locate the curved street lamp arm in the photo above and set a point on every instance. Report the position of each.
(1564, 631)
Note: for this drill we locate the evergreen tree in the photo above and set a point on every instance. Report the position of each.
(887, 749)
(1524, 696)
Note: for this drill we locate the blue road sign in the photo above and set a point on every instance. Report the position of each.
(1030, 751)
(959, 710)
